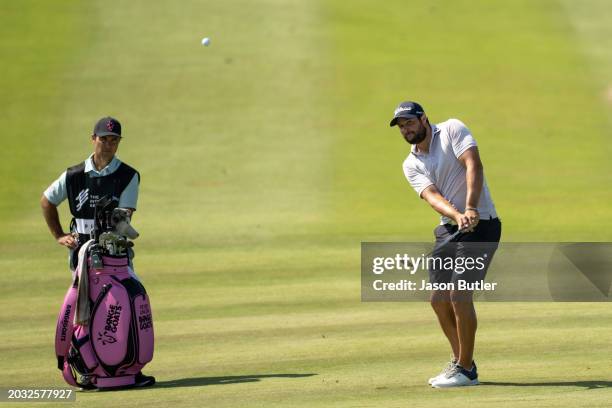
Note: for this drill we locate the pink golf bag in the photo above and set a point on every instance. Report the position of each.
(116, 342)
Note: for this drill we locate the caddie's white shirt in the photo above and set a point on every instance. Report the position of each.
(441, 167)
(57, 191)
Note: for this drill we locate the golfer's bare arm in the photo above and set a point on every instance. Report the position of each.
(474, 176)
(441, 205)
(51, 215)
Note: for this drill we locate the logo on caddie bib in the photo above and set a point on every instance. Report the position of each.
(82, 199)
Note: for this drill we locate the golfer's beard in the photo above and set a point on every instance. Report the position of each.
(418, 137)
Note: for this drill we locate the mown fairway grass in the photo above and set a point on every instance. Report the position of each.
(266, 159)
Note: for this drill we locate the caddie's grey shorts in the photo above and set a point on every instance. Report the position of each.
(469, 257)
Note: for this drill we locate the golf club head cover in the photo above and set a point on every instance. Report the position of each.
(121, 221)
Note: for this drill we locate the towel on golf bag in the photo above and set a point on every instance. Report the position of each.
(118, 340)
(83, 310)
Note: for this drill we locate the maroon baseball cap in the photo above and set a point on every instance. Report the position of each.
(107, 127)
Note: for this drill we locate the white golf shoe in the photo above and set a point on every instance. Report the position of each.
(446, 369)
(457, 377)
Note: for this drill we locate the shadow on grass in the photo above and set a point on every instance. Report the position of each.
(235, 379)
(591, 385)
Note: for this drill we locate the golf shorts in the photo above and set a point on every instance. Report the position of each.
(469, 257)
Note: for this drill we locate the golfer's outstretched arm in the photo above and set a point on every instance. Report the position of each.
(474, 176)
(443, 206)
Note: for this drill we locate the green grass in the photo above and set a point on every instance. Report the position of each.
(266, 159)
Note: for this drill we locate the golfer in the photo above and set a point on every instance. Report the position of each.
(444, 168)
(101, 174)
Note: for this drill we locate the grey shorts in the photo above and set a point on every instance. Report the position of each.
(469, 257)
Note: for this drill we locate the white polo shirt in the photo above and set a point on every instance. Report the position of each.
(441, 167)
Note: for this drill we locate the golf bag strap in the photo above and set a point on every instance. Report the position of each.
(68, 375)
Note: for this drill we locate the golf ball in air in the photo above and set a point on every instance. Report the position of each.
(206, 41)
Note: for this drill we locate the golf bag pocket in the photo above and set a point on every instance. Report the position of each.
(65, 326)
(145, 329)
(110, 326)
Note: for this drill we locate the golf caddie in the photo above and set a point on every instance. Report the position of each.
(101, 174)
(445, 170)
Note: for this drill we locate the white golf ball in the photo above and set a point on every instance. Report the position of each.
(206, 41)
